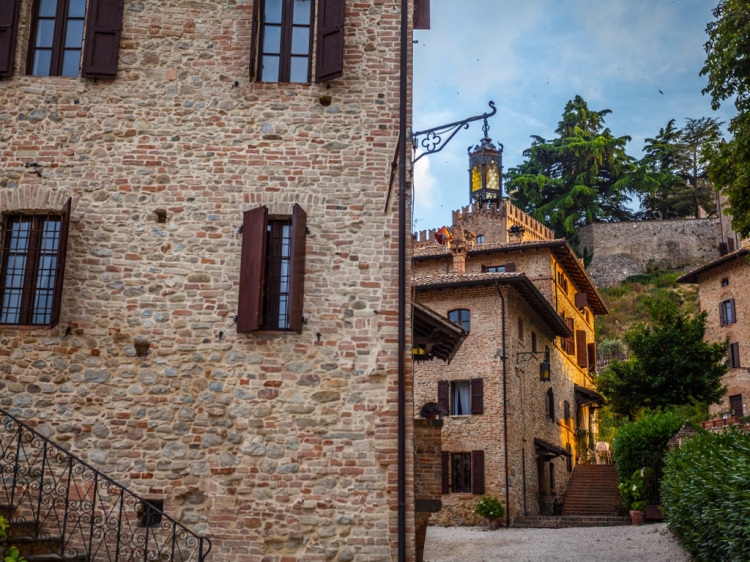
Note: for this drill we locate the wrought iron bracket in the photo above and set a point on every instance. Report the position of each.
(434, 140)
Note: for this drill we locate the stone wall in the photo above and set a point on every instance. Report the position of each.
(621, 249)
(276, 446)
(427, 477)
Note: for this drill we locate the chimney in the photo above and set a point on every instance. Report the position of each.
(459, 261)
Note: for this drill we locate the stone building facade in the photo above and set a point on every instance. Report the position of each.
(722, 290)
(275, 440)
(520, 293)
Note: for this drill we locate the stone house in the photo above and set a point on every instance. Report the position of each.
(529, 307)
(197, 290)
(722, 291)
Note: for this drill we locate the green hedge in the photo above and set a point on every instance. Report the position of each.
(706, 496)
(648, 435)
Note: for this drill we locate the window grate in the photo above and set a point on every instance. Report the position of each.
(29, 268)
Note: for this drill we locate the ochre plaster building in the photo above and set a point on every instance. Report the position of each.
(528, 307)
(198, 285)
(723, 293)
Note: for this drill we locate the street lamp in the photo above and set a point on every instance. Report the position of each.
(544, 366)
(485, 170)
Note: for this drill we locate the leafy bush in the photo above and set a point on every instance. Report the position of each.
(648, 435)
(11, 552)
(633, 490)
(490, 507)
(705, 495)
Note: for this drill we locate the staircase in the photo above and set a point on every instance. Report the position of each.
(60, 508)
(592, 491)
(565, 521)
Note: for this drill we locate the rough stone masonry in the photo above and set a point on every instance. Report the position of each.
(276, 446)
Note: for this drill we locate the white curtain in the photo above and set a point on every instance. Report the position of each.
(461, 398)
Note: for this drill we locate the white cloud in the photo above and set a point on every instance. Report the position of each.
(426, 195)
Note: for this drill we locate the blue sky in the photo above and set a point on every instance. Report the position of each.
(530, 57)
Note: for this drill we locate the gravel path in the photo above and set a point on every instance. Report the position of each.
(595, 544)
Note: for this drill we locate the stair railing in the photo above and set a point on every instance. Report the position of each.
(77, 512)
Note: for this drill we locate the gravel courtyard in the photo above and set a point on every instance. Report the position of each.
(595, 544)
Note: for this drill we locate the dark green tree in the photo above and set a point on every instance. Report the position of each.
(678, 160)
(581, 176)
(728, 70)
(670, 364)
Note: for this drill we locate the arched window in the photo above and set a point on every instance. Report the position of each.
(462, 317)
(566, 411)
(520, 329)
(551, 404)
(533, 342)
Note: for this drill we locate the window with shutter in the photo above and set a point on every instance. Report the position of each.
(9, 10)
(32, 268)
(533, 342)
(445, 475)
(461, 398)
(510, 267)
(582, 349)
(734, 355)
(736, 406)
(732, 316)
(730, 245)
(477, 469)
(723, 250)
(722, 316)
(477, 397)
(566, 411)
(272, 271)
(101, 49)
(727, 312)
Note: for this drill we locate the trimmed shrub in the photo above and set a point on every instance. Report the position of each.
(490, 507)
(706, 496)
(648, 435)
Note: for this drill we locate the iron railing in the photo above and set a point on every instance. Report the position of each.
(653, 468)
(77, 512)
(549, 504)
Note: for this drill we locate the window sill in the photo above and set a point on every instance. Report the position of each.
(24, 327)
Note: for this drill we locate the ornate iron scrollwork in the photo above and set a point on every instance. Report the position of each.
(434, 140)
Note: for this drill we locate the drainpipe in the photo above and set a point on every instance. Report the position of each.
(402, 287)
(505, 410)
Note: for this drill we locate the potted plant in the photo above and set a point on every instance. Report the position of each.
(632, 493)
(432, 410)
(491, 509)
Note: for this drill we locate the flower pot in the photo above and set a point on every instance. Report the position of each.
(493, 524)
(637, 517)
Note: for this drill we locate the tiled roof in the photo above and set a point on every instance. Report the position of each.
(518, 281)
(692, 276)
(560, 248)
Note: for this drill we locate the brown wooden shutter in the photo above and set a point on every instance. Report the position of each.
(722, 316)
(477, 472)
(730, 245)
(254, 35)
(101, 44)
(581, 348)
(510, 267)
(445, 476)
(252, 267)
(421, 14)
(297, 274)
(444, 392)
(582, 300)
(735, 347)
(735, 404)
(723, 250)
(62, 252)
(8, 31)
(329, 58)
(733, 313)
(592, 357)
(551, 404)
(477, 397)
(569, 459)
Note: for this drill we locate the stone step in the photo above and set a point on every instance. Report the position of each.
(540, 522)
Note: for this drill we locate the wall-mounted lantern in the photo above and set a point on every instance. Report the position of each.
(544, 367)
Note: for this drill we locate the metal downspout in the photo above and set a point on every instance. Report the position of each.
(505, 410)
(402, 286)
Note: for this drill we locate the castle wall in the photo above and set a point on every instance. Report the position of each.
(621, 249)
(276, 446)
